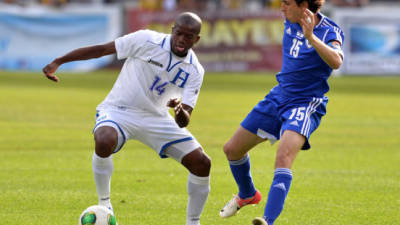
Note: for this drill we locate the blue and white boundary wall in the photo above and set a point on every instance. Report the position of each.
(32, 37)
(372, 40)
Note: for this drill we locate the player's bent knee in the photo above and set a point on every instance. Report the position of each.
(205, 163)
(198, 163)
(106, 139)
(232, 152)
(228, 149)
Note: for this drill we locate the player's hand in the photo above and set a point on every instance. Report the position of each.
(307, 23)
(49, 71)
(182, 112)
(174, 102)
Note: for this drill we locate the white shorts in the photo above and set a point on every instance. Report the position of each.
(161, 133)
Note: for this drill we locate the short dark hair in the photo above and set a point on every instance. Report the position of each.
(313, 5)
(189, 19)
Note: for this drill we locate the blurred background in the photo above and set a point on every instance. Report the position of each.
(237, 35)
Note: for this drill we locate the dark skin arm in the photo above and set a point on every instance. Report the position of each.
(84, 53)
(182, 112)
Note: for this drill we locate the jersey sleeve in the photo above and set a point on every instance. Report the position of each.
(192, 90)
(129, 45)
(334, 34)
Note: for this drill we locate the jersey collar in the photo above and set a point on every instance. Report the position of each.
(297, 25)
(321, 19)
(166, 44)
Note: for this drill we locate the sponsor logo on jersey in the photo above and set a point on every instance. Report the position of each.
(155, 63)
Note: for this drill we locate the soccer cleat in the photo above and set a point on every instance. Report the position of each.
(236, 203)
(259, 221)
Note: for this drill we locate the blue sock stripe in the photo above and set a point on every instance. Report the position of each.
(240, 161)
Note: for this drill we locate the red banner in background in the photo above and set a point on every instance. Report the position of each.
(230, 40)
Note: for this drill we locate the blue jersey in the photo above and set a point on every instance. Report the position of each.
(303, 72)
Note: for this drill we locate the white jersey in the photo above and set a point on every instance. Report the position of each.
(152, 74)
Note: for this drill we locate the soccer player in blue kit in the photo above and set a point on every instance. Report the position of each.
(312, 48)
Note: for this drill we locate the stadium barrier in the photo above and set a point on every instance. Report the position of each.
(372, 40)
(30, 37)
(230, 40)
(33, 36)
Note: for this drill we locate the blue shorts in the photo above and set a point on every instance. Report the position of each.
(277, 113)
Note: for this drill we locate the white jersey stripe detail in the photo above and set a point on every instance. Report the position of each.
(313, 111)
(310, 110)
(329, 24)
(323, 39)
(307, 123)
(320, 100)
(306, 116)
(339, 38)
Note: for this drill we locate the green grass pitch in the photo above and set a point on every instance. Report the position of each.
(351, 176)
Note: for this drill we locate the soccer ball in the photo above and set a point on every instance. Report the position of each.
(97, 215)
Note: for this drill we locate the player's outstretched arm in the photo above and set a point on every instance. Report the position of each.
(89, 52)
(182, 112)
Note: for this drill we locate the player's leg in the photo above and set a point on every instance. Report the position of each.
(290, 144)
(105, 141)
(239, 162)
(169, 140)
(108, 138)
(240, 143)
(198, 185)
(260, 124)
(197, 162)
(300, 122)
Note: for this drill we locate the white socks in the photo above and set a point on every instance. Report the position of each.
(102, 170)
(198, 189)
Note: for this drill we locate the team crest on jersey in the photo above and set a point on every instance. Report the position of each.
(155, 63)
(289, 31)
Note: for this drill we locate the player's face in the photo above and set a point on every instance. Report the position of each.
(291, 10)
(183, 38)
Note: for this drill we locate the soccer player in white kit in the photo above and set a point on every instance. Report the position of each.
(160, 71)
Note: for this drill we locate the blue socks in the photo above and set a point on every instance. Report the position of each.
(277, 194)
(241, 172)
